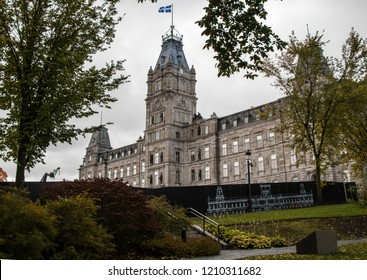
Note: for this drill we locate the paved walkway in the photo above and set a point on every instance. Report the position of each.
(238, 254)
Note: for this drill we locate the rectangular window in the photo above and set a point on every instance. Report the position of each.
(128, 171)
(271, 136)
(115, 174)
(192, 155)
(121, 172)
(143, 183)
(134, 169)
(247, 144)
(236, 166)
(259, 141)
(235, 146)
(206, 152)
(274, 163)
(156, 158)
(225, 170)
(293, 157)
(260, 164)
(207, 173)
(156, 178)
(157, 135)
(143, 167)
(178, 136)
(224, 149)
(193, 175)
(234, 123)
(178, 157)
(206, 129)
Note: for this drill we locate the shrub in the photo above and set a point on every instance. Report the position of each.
(79, 236)
(170, 246)
(120, 208)
(26, 229)
(245, 240)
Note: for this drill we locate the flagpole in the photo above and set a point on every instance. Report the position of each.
(172, 16)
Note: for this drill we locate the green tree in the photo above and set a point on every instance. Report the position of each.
(314, 86)
(237, 34)
(45, 46)
(79, 236)
(27, 229)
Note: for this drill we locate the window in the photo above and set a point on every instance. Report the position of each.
(207, 173)
(293, 157)
(274, 163)
(121, 172)
(200, 177)
(193, 175)
(206, 152)
(236, 166)
(178, 157)
(271, 136)
(152, 120)
(206, 129)
(259, 141)
(128, 171)
(109, 175)
(225, 170)
(199, 130)
(235, 146)
(224, 125)
(143, 167)
(143, 183)
(199, 154)
(161, 157)
(151, 158)
(192, 155)
(157, 135)
(224, 149)
(246, 119)
(115, 174)
(247, 144)
(156, 158)
(156, 178)
(99, 175)
(161, 116)
(178, 136)
(235, 123)
(178, 176)
(260, 164)
(134, 169)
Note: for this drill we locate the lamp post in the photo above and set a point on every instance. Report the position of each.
(249, 164)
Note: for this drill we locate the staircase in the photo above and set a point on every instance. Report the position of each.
(202, 229)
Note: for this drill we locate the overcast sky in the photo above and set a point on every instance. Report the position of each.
(139, 38)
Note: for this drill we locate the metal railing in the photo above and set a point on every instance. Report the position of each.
(205, 220)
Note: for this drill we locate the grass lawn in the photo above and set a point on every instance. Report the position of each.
(346, 252)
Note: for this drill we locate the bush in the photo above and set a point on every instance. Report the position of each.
(245, 240)
(170, 246)
(120, 208)
(79, 236)
(27, 229)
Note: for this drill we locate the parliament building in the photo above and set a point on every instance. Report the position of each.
(181, 148)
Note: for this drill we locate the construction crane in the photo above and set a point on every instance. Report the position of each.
(50, 174)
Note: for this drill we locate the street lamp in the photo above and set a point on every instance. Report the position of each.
(249, 164)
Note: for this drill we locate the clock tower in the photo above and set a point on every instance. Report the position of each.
(170, 107)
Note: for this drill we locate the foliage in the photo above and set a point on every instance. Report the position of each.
(245, 240)
(170, 246)
(27, 229)
(238, 35)
(170, 218)
(45, 81)
(79, 236)
(120, 208)
(314, 86)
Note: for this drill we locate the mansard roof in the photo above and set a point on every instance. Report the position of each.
(101, 140)
(172, 50)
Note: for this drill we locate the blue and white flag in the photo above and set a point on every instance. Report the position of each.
(165, 9)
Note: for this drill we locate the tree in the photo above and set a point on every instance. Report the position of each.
(45, 46)
(314, 86)
(237, 34)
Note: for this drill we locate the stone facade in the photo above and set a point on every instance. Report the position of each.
(181, 148)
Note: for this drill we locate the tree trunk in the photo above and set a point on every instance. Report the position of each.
(318, 182)
(21, 165)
